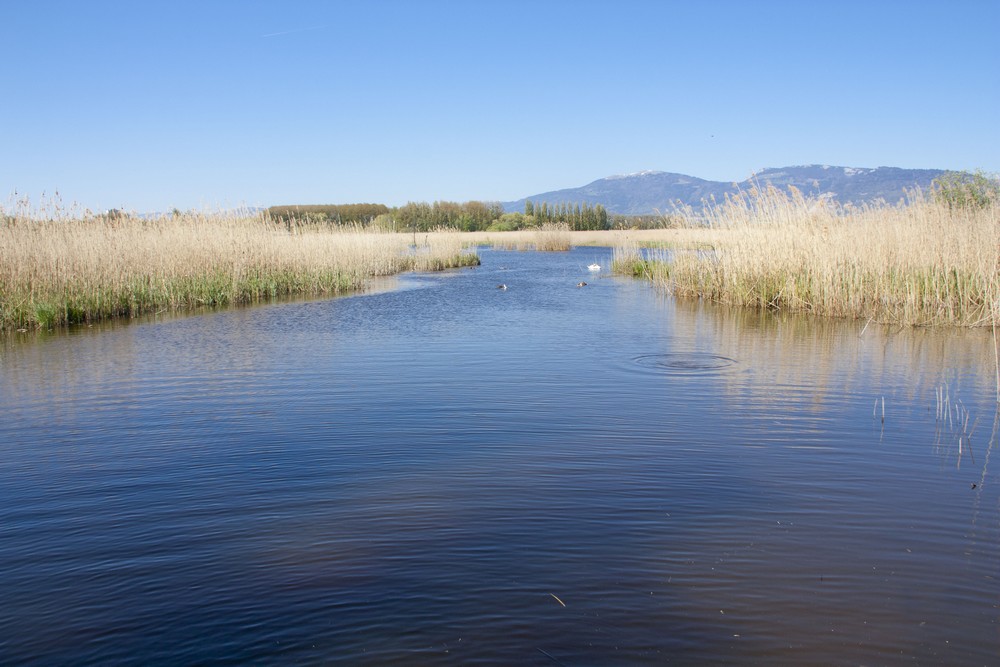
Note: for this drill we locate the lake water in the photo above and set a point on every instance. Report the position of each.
(443, 472)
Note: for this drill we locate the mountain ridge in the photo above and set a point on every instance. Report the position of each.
(650, 192)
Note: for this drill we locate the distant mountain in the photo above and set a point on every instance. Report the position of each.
(648, 192)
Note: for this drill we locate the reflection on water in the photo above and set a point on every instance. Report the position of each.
(444, 472)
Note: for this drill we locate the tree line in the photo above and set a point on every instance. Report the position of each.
(578, 217)
(470, 216)
(336, 214)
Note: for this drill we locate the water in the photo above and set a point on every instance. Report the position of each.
(442, 472)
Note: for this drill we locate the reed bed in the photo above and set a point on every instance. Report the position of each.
(917, 263)
(550, 237)
(63, 271)
(627, 257)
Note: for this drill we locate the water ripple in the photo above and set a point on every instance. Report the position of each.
(684, 363)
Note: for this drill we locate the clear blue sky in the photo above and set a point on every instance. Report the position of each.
(155, 105)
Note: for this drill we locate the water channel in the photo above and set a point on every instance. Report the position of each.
(444, 472)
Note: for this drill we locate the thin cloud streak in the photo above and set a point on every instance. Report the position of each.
(292, 32)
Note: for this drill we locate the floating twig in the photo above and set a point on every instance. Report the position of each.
(549, 655)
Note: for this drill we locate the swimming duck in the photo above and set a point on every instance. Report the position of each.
(501, 286)
(581, 284)
(594, 267)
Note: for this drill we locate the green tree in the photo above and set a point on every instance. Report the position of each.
(963, 189)
(602, 217)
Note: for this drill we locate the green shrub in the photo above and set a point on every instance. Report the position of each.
(962, 189)
(511, 222)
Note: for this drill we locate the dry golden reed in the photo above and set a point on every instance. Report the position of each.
(550, 237)
(917, 263)
(60, 271)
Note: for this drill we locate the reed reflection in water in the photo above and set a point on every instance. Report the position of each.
(449, 472)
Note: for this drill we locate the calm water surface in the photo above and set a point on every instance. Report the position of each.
(448, 473)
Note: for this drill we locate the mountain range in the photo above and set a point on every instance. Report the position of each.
(651, 192)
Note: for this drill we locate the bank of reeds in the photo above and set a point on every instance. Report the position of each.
(550, 237)
(64, 271)
(916, 263)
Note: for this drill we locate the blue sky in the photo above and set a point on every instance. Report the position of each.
(155, 105)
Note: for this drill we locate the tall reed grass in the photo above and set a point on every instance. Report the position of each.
(917, 263)
(61, 271)
(550, 237)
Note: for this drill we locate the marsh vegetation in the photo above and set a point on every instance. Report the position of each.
(470, 216)
(932, 260)
(65, 271)
(923, 262)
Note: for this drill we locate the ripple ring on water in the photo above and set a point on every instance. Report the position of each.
(677, 363)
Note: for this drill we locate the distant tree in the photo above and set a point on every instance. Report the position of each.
(468, 216)
(334, 214)
(962, 189)
(509, 222)
(602, 217)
